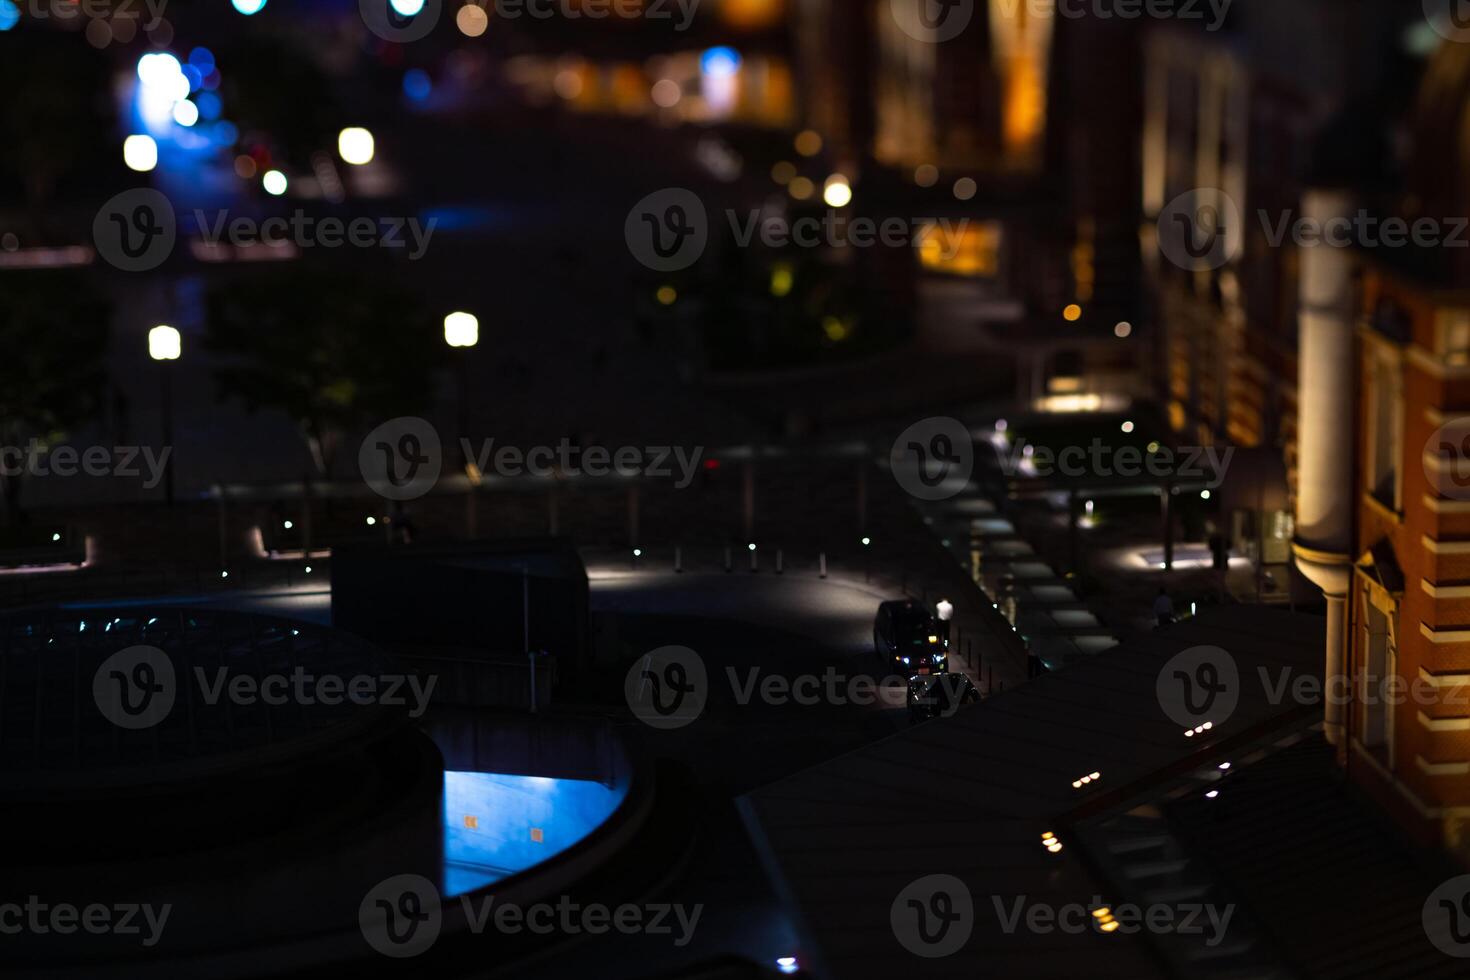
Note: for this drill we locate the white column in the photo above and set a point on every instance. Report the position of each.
(1327, 442)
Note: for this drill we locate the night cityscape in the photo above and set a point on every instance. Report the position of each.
(720, 489)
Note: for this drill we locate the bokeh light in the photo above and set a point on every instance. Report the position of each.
(837, 192)
(140, 153)
(471, 20)
(720, 62)
(355, 146)
(274, 182)
(248, 7)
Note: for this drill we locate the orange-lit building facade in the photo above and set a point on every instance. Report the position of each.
(1408, 726)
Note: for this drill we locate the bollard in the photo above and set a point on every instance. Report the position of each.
(780, 562)
(822, 564)
(678, 560)
(729, 560)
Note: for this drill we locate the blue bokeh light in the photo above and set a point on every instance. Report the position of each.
(720, 62)
(9, 15)
(406, 8)
(416, 84)
(209, 105)
(248, 7)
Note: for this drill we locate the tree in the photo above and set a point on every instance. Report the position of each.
(52, 124)
(53, 330)
(333, 352)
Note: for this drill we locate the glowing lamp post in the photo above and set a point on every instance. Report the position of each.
(165, 344)
(462, 332)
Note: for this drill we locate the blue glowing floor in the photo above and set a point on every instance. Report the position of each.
(496, 825)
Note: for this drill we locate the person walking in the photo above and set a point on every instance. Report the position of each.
(1164, 607)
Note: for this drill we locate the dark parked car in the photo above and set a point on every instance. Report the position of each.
(909, 640)
(939, 695)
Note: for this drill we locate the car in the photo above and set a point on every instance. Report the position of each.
(939, 695)
(909, 640)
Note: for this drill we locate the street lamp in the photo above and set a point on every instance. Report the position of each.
(462, 331)
(165, 344)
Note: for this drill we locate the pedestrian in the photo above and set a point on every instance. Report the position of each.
(1164, 607)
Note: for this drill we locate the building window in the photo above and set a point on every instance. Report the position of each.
(1385, 433)
(1379, 663)
(1453, 328)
